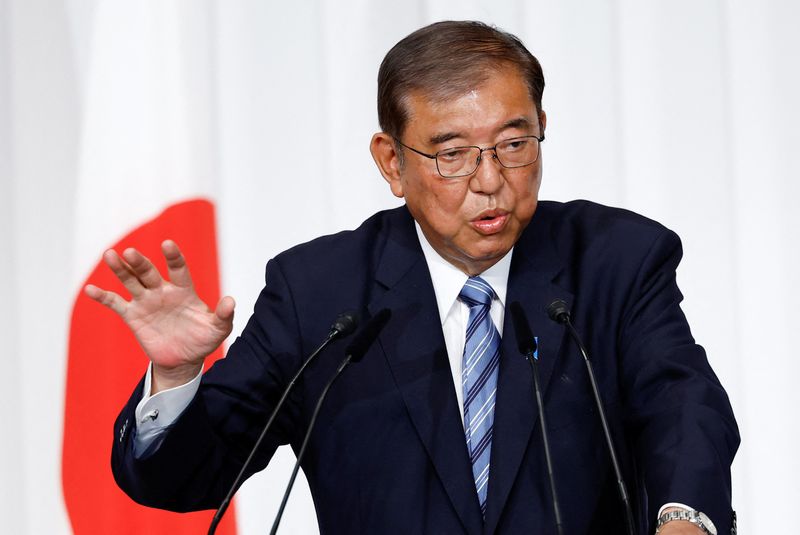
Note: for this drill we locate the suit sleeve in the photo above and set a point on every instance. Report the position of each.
(195, 461)
(684, 432)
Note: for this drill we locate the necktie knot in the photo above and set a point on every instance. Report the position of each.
(477, 292)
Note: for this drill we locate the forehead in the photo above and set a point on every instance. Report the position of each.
(485, 110)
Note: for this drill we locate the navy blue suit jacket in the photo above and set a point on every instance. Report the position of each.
(388, 454)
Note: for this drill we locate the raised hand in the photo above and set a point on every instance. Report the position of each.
(173, 325)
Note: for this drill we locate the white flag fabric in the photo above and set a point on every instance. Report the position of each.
(146, 172)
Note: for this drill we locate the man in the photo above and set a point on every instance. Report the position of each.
(435, 430)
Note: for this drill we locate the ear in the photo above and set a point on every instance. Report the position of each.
(542, 121)
(384, 152)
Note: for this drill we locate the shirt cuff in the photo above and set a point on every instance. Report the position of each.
(154, 414)
(674, 504)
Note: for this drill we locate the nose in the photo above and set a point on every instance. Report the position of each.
(488, 177)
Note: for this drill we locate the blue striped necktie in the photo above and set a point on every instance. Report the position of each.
(479, 379)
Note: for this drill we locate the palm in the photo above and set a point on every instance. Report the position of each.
(173, 325)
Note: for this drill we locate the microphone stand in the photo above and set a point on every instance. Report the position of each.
(558, 312)
(533, 358)
(302, 450)
(353, 353)
(529, 347)
(344, 325)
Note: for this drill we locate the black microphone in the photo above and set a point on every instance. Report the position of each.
(344, 324)
(559, 312)
(353, 353)
(528, 346)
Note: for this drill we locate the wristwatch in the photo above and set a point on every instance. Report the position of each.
(697, 518)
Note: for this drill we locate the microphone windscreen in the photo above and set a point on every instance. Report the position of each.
(345, 323)
(558, 311)
(364, 338)
(525, 339)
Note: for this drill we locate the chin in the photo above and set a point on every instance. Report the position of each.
(497, 246)
(491, 256)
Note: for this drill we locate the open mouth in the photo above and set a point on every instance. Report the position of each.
(490, 222)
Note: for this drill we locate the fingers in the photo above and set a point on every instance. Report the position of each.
(138, 273)
(109, 299)
(224, 312)
(176, 264)
(142, 268)
(134, 270)
(124, 272)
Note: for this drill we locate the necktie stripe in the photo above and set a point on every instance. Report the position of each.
(479, 419)
(478, 354)
(483, 473)
(480, 363)
(475, 323)
(488, 372)
(482, 446)
(476, 416)
(480, 286)
(482, 483)
(478, 347)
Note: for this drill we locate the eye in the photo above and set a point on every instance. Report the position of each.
(456, 154)
(515, 145)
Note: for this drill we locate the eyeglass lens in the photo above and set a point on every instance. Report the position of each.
(462, 161)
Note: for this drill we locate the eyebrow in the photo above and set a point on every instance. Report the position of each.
(519, 122)
(442, 138)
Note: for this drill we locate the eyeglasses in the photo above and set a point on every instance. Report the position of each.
(456, 162)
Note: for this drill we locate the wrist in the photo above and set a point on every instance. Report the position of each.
(166, 378)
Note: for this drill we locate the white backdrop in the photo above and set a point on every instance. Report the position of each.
(685, 111)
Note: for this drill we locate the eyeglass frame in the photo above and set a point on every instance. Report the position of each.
(435, 155)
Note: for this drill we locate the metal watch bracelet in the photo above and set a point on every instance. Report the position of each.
(695, 517)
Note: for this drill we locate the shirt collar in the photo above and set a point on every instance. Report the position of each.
(448, 279)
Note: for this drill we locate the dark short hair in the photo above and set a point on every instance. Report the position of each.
(447, 59)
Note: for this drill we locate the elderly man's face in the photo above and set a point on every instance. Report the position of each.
(471, 221)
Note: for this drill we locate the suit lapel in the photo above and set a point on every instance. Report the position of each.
(415, 350)
(533, 268)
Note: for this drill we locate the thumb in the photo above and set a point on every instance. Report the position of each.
(224, 311)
